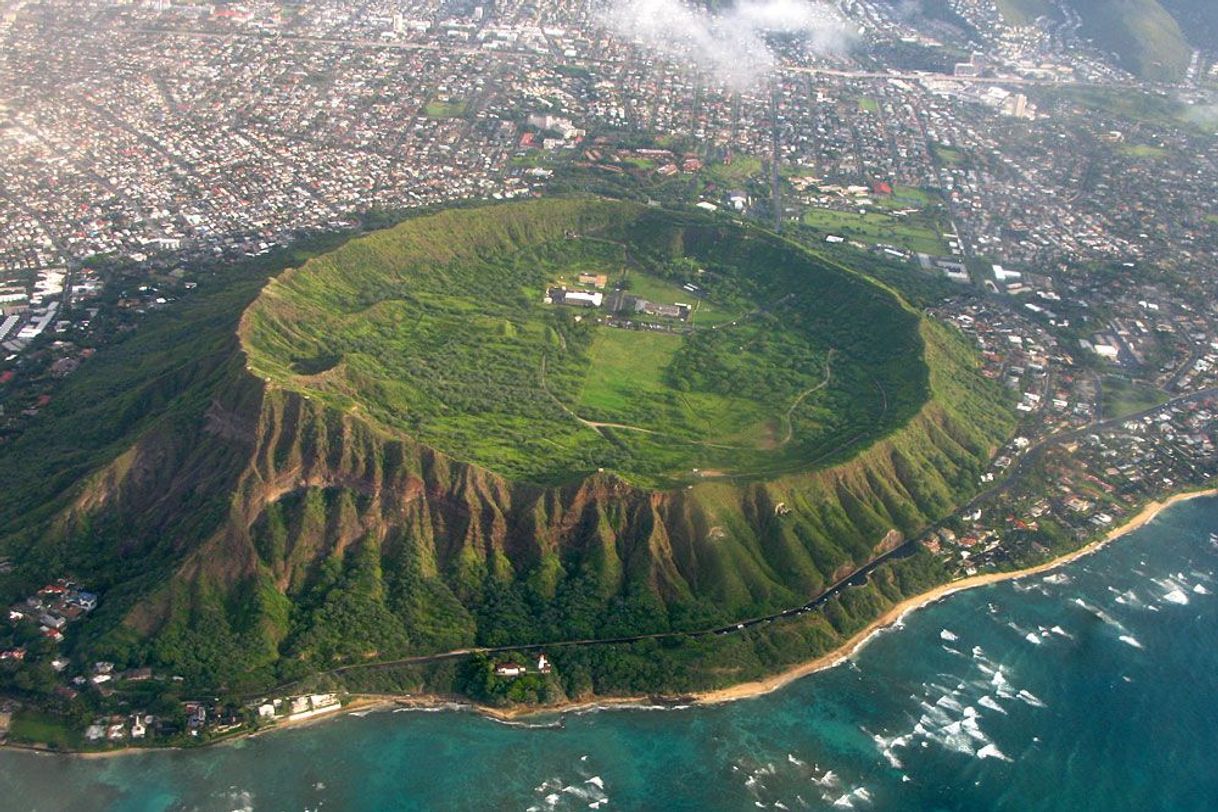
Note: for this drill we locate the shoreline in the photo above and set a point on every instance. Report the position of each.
(741, 691)
(774, 682)
(748, 690)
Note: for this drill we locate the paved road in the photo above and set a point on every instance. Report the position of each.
(945, 77)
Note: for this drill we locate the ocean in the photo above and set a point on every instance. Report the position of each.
(1092, 687)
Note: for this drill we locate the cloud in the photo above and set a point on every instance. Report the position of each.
(731, 44)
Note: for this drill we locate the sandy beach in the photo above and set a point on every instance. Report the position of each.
(357, 703)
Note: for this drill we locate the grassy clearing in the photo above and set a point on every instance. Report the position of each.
(35, 727)
(948, 155)
(1123, 397)
(1142, 151)
(626, 366)
(736, 173)
(911, 196)
(869, 105)
(436, 108)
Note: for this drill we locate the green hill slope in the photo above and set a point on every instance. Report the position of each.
(1198, 20)
(245, 532)
(1150, 38)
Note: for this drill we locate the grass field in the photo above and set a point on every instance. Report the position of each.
(913, 232)
(444, 109)
(437, 329)
(1142, 151)
(737, 172)
(625, 367)
(911, 196)
(948, 155)
(1123, 397)
(35, 727)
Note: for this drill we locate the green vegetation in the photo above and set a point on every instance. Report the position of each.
(948, 155)
(1133, 105)
(1198, 19)
(915, 232)
(246, 533)
(456, 348)
(911, 196)
(869, 105)
(1123, 397)
(437, 108)
(1145, 37)
(706, 312)
(735, 173)
(1023, 12)
(573, 71)
(36, 727)
(676, 664)
(1142, 151)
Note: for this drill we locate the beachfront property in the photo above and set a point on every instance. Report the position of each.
(310, 705)
(513, 670)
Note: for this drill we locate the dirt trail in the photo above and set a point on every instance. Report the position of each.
(786, 418)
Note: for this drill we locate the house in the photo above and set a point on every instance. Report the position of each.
(68, 611)
(196, 715)
(52, 621)
(85, 600)
(543, 664)
(138, 729)
(596, 280)
(509, 670)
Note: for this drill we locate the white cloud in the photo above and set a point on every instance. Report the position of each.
(731, 44)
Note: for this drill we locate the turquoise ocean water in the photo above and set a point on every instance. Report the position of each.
(1095, 687)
